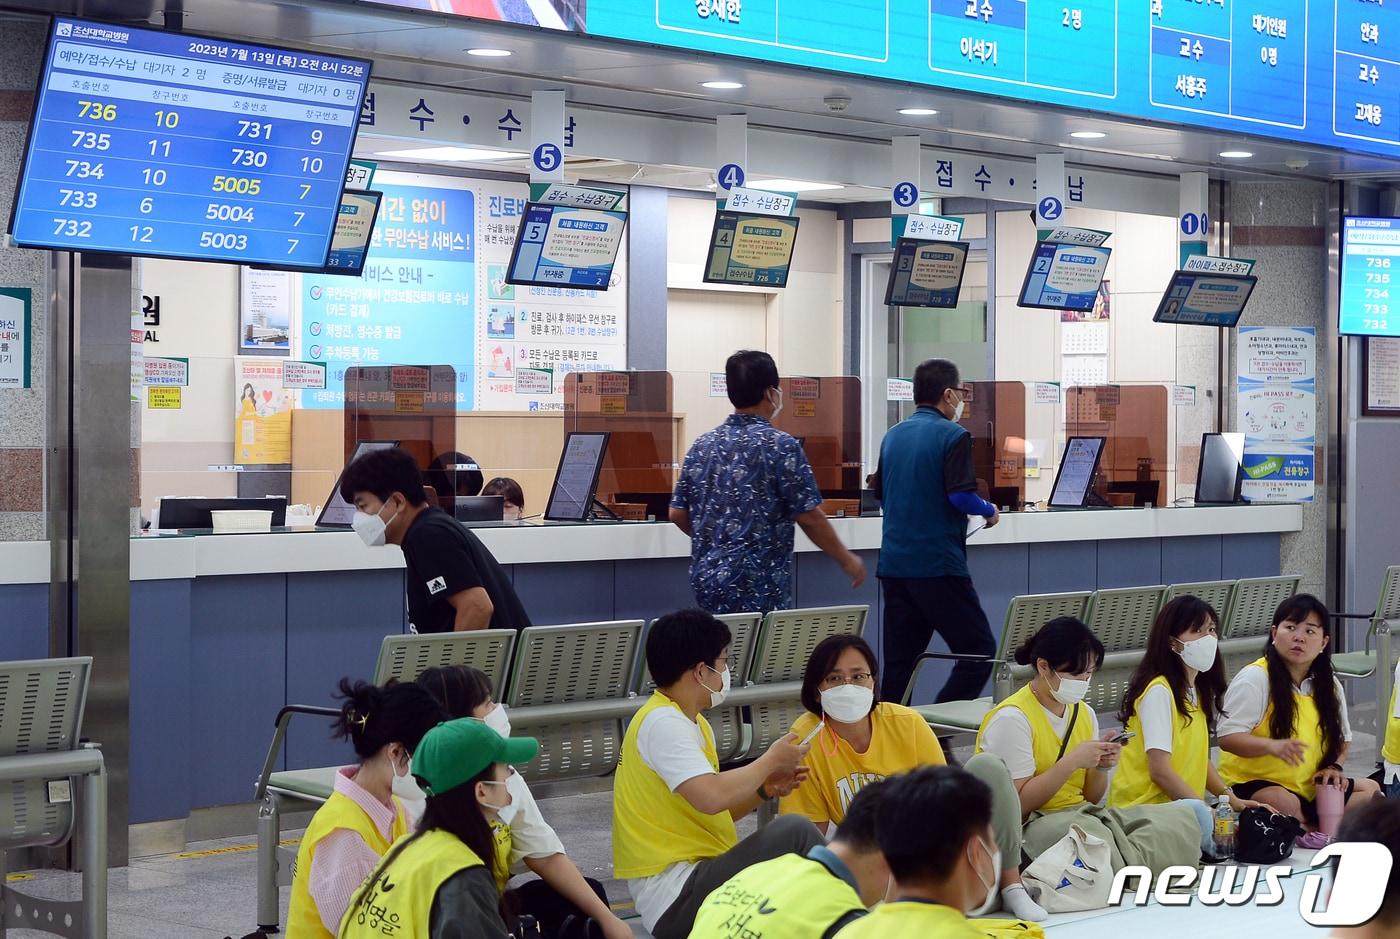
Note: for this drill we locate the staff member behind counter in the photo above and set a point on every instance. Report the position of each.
(453, 582)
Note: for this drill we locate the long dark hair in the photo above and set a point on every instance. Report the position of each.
(1296, 609)
(1066, 644)
(1160, 659)
(460, 689)
(823, 660)
(455, 812)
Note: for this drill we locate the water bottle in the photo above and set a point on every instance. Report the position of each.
(1227, 825)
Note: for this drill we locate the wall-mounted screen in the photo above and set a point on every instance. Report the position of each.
(353, 229)
(926, 273)
(1064, 276)
(754, 250)
(1078, 467)
(1370, 268)
(566, 246)
(576, 480)
(164, 144)
(1195, 298)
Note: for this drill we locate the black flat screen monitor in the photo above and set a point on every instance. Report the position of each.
(754, 250)
(337, 513)
(1145, 492)
(566, 246)
(576, 480)
(926, 273)
(1078, 467)
(1220, 474)
(480, 508)
(182, 512)
(1064, 277)
(1195, 298)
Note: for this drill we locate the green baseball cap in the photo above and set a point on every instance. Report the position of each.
(455, 752)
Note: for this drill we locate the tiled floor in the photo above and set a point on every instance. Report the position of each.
(208, 892)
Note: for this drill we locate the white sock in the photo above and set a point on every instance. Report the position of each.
(1017, 901)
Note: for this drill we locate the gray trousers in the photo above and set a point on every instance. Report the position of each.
(787, 834)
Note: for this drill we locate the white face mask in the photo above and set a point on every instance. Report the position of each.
(371, 528)
(1071, 690)
(991, 888)
(504, 811)
(778, 404)
(717, 697)
(1199, 653)
(405, 786)
(498, 720)
(847, 704)
(958, 411)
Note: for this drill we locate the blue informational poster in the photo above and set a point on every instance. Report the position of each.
(566, 246)
(926, 273)
(1276, 408)
(755, 250)
(1196, 298)
(1064, 276)
(163, 144)
(1315, 71)
(1370, 265)
(415, 302)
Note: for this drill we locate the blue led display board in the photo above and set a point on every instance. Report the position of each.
(1197, 298)
(1370, 269)
(1319, 71)
(566, 246)
(1064, 276)
(164, 144)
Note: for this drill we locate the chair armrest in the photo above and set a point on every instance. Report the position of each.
(284, 717)
(1370, 615)
(941, 656)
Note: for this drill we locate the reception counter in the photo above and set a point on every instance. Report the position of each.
(226, 629)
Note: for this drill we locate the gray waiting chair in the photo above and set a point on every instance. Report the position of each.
(1376, 657)
(1122, 616)
(41, 757)
(402, 657)
(572, 690)
(1256, 599)
(1220, 594)
(785, 643)
(1024, 617)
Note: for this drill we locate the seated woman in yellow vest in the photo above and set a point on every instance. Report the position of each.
(562, 895)
(809, 896)
(934, 827)
(440, 882)
(364, 815)
(1286, 732)
(858, 742)
(1050, 741)
(1390, 744)
(1171, 707)
(674, 839)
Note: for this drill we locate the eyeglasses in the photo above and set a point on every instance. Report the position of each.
(963, 390)
(855, 678)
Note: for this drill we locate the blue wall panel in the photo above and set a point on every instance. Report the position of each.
(238, 655)
(1056, 567)
(555, 594)
(647, 588)
(1188, 560)
(24, 627)
(1255, 555)
(336, 623)
(1131, 562)
(818, 581)
(162, 696)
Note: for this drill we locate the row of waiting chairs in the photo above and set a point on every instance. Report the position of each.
(574, 688)
(1122, 619)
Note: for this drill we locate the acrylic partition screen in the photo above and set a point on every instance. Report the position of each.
(996, 416)
(1135, 466)
(824, 413)
(415, 405)
(643, 452)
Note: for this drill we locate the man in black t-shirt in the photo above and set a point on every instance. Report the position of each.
(453, 581)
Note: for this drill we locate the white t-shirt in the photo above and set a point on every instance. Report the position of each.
(1157, 712)
(673, 747)
(1008, 735)
(1392, 770)
(1247, 699)
(531, 836)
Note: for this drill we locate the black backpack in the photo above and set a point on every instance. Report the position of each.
(1265, 837)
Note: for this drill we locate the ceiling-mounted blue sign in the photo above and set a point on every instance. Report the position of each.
(1324, 72)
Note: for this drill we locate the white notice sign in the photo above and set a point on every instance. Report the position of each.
(899, 389)
(719, 385)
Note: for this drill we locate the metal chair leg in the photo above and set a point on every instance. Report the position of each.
(269, 833)
(94, 854)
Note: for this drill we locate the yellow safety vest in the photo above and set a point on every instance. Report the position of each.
(1299, 779)
(1190, 756)
(398, 900)
(1046, 744)
(654, 827)
(1391, 751)
(789, 897)
(339, 812)
(912, 919)
(504, 842)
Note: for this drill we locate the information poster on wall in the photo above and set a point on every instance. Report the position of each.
(15, 321)
(1382, 373)
(265, 305)
(1277, 410)
(262, 431)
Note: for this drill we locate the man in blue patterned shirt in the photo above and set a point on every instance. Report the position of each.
(743, 486)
